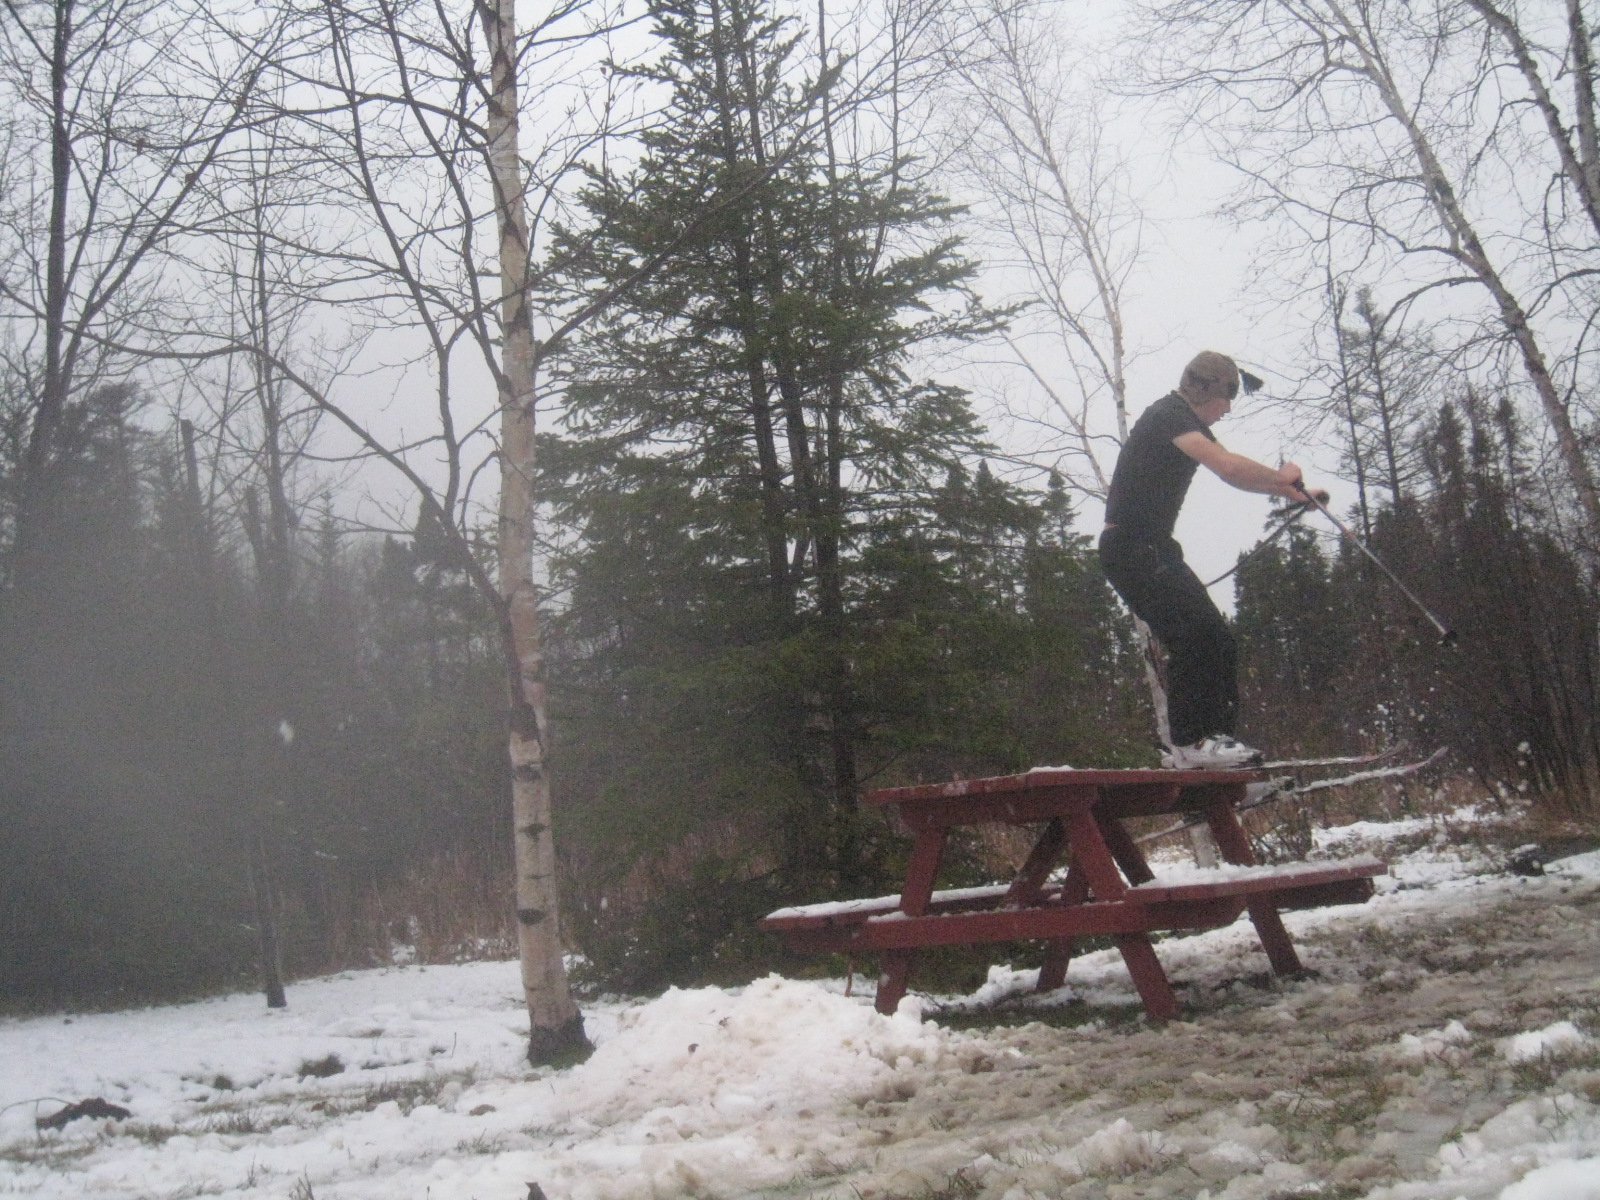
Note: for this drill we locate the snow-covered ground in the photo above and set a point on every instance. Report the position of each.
(1448, 1046)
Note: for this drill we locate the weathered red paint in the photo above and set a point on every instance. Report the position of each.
(1081, 815)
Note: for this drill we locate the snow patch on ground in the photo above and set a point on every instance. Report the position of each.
(1443, 1048)
(1554, 1041)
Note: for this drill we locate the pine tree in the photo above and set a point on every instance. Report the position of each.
(1521, 700)
(1293, 639)
(763, 370)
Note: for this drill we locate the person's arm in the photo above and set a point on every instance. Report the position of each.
(1246, 474)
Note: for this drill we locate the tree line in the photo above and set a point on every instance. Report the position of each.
(781, 559)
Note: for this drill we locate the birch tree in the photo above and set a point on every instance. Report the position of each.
(556, 1026)
(424, 195)
(1057, 205)
(403, 134)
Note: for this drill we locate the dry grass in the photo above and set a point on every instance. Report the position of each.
(451, 909)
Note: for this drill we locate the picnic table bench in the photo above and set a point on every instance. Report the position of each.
(1108, 887)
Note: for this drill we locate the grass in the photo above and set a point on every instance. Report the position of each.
(241, 1122)
(51, 1153)
(408, 1094)
(321, 1068)
(1074, 1014)
(1545, 1072)
(483, 1145)
(959, 1185)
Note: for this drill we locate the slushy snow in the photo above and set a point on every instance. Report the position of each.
(1444, 1049)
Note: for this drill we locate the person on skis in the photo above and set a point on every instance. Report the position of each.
(1145, 564)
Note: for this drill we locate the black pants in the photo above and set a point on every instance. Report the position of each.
(1202, 660)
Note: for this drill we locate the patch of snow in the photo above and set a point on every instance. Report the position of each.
(1186, 873)
(1577, 866)
(1445, 1045)
(1374, 1074)
(1575, 1179)
(1554, 1041)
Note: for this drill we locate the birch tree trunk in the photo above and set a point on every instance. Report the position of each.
(555, 1026)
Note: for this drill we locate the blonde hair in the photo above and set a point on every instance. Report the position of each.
(1209, 376)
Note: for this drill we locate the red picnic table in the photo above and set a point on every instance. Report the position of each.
(1108, 887)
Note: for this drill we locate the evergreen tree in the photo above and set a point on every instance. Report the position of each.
(113, 821)
(1293, 639)
(1522, 701)
(759, 380)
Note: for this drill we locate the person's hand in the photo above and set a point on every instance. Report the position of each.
(1292, 480)
(1305, 496)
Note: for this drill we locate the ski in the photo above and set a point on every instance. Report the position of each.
(1347, 760)
(1396, 771)
(1273, 790)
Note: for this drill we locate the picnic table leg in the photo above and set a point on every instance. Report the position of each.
(1058, 953)
(1125, 850)
(1030, 879)
(1095, 853)
(926, 853)
(894, 977)
(1234, 844)
(1274, 937)
(1148, 976)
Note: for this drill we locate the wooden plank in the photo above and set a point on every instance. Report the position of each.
(1149, 977)
(893, 979)
(1350, 884)
(1029, 885)
(1124, 849)
(1092, 856)
(854, 912)
(926, 854)
(1118, 782)
(1232, 841)
(1274, 937)
(1058, 954)
(1049, 923)
(1275, 882)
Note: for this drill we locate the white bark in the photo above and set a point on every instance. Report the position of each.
(555, 1024)
(1468, 248)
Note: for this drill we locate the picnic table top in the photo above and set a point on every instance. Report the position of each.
(1056, 778)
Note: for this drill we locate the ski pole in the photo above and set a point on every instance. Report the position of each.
(1446, 635)
(1298, 511)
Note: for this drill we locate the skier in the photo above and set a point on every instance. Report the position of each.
(1145, 564)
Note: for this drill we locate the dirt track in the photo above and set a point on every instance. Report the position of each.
(1352, 1080)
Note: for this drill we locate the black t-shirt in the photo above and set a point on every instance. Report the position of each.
(1153, 475)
